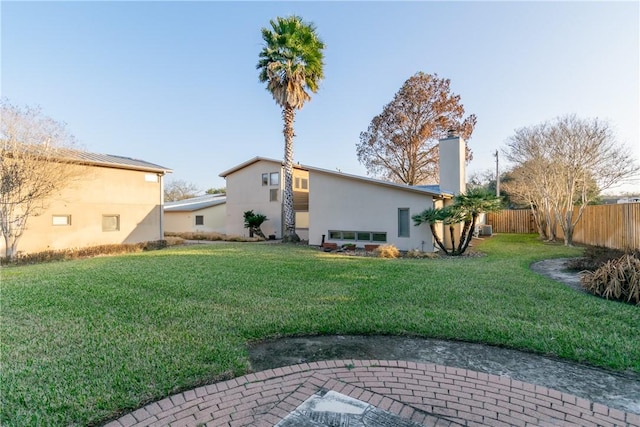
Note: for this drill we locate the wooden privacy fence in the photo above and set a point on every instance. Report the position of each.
(613, 226)
(512, 221)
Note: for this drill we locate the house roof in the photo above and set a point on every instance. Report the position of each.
(110, 160)
(248, 163)
(195, 203)
(431, 190)
(95, 159)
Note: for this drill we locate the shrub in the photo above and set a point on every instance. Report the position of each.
(617, 279)
(417, 253)
(211, 236)
(593, 258)
(91, 251)
(387, 251)
(174, 240)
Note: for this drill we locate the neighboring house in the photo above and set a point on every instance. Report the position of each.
(115, 200)
(204, 213)
(628, 200)
(342, 208)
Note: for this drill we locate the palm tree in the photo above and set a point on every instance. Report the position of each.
(432, 216)
(291, 63)
(471, 204)
(466, 209)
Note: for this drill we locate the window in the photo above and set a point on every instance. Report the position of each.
(348, 235)
(378, 237)
(199, 219)
(265, 179)
(61, 220)
(274, 178)
(403, 222)
(110, 222)
(359, 236)
(363, 235)
(273, 195)
(335, 235)
(301, 183)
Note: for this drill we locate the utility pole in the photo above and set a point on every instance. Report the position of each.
(497, 176)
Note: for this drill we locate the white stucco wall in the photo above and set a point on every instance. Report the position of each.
(130, 194)
(342, 203)
(215, 218)
(246, 192)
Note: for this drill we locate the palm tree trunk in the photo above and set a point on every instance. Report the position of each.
(437, 238)
(469, 233)
(288, 114)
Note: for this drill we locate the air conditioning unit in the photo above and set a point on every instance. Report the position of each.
(486, 230)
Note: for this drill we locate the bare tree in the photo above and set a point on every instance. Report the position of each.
(401, 143)
(179, 190)
(35, 165)
(566, 163)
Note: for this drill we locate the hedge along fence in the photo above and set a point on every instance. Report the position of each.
(613, 226)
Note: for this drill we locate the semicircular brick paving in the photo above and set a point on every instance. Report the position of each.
(421, 394)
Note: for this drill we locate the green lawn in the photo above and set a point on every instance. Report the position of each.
(83, 341)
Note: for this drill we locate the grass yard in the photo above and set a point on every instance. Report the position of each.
(83, 341)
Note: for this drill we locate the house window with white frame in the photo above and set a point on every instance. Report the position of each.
(274, 178)
(273, 195)
(61, 220)
(265, 179)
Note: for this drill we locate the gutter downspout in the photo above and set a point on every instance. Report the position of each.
(161, 179)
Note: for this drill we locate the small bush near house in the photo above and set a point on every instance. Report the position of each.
(88, 252)
(212, 236)
(594, 257)
(174, 240)
(387, 251)
(417, 253)
(617, 279)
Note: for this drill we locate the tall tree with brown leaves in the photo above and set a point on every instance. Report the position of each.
(401, 143)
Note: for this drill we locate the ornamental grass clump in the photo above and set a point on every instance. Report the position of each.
(617, 279)
(418, 254)
(387, 251)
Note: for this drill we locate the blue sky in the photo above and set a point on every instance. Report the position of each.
(174, 83)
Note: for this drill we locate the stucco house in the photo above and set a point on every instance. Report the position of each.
(198, 214)
(115, 200)
(342, 208)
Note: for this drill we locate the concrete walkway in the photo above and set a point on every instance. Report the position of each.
(422, 394)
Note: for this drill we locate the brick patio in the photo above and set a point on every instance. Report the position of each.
(428, 394)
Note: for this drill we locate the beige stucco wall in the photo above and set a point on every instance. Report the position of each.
(215, 218)
(342, 203)
(100, 191)
(246, 192)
